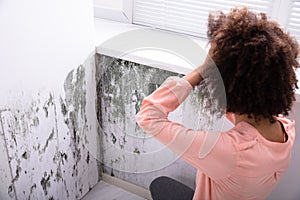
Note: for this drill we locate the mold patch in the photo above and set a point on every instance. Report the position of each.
(45, 183)
(121, 88)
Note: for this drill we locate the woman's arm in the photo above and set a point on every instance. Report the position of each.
(201, 72)
(189, 144)
(194, 77)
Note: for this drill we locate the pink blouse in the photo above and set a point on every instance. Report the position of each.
(235, 164)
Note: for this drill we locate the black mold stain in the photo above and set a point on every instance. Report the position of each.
(63, 107)
(113, 138)
(58, 174)
(123, 141)
(121, 85)
(64, 157)
(136, 150)
(25, 155)
(35, 121)
(65, 184)
(60, 157)
(112, 173)
(88, 158)
(75, 139)
(47, 141)
(125, 82)
(73, 108)
(45, 183)
(31, 190)
(18, 171)
(99, 103)
(75, 170)
(75, 90)
(80, 189)
(10, 191)
(48, 103)
(14, 124)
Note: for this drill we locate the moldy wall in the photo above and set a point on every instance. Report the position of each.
(127, 151)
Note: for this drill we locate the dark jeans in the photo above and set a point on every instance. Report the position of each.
(165, 188)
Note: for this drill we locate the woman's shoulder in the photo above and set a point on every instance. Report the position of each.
(289, 126)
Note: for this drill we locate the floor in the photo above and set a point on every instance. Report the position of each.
(106, 191)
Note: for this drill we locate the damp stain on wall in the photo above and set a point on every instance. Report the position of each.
(121, 87)
(47, 143)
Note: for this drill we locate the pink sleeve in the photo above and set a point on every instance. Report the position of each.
(185, 142)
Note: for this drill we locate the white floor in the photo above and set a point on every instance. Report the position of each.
(106, 191)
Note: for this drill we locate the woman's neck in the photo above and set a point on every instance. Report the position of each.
(270, 131)
(254, 122)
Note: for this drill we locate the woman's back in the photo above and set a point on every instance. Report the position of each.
(259, 165)
(236, 164)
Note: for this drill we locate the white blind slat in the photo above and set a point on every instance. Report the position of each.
(293, 21)
(187, 16)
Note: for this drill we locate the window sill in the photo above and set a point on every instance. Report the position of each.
(154, 57)
(106, 30)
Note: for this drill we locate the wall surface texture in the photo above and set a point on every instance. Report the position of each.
(48, 129)
(52, 144)
(127, 151)
(130, 154)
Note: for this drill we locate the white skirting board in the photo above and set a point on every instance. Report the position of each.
(127, 186)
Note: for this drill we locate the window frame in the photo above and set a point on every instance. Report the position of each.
(123, 15)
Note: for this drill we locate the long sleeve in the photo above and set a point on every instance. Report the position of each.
(235, 164)
(191, 145)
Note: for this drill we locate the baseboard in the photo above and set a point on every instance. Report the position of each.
(135, 189)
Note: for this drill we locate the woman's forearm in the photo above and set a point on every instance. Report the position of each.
(194, 77)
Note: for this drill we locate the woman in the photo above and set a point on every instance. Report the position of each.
(256, 60)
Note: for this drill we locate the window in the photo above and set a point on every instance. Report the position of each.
(187, 16)
(190, 16)
(293, 20)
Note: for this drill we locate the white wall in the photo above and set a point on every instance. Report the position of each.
(41, 42)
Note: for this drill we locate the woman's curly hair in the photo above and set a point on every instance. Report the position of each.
(256, 60)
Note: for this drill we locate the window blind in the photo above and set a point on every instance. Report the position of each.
(187, 16)
(293, 21)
